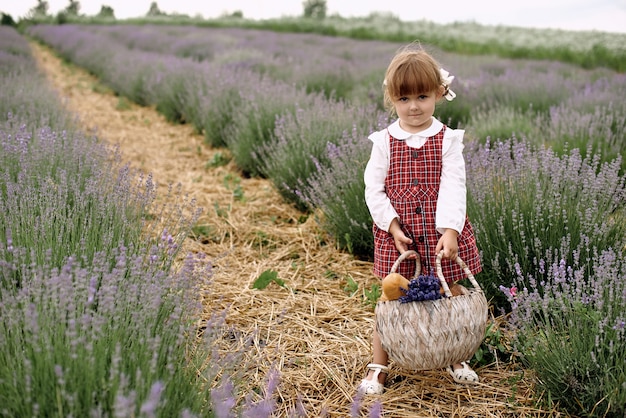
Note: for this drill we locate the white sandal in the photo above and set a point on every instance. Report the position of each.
(464, 375)
(373, 386)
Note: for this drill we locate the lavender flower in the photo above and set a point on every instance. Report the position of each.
(222, 399)
(425, 287)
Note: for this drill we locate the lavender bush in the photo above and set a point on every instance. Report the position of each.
(592, 119)
(347, 220)
(551, 229)
(91, 338)
(54, 183)
(23, 91)
(220, 101)
(316, 63)
(337, 216)
(207, 96)
(177, 91)
(521, 84)
(298, 148)
(254, 120)
(65, 194)
(570, 322)
(587, 115)
(496, 97)
(528, 203)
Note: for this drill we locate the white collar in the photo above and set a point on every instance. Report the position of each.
(397, 132)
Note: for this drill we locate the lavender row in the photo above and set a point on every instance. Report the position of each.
(23, 90)
(95, 322)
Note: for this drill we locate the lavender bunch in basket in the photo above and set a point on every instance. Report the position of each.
(424, 287)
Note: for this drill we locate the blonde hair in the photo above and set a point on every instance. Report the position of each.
(411, 71)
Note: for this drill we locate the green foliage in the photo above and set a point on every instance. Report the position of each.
(154, 10)
(315, 9)
(73, 8)
(62, 18)
(351, 286)
(123, 103)
(372, 295)
(494, 348)
(106, 12)
(7, 20)
(219, 159)
(204, 234)
(266, 278)
(220, 211)
(233, 183)
(583, 375)
(40, 10)
(369, 296)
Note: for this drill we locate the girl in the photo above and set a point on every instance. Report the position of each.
(415, 188)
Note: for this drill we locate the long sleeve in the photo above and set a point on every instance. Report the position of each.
(451, 204)
(378, 203)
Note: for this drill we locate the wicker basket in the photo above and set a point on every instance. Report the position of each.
(433, 334)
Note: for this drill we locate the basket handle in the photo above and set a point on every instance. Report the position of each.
(403, 256)
(466, 270)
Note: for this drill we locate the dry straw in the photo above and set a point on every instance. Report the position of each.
(433, 334)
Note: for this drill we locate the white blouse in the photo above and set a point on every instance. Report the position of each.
(452, 193)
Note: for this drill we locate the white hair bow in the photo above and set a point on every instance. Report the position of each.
(447, 80)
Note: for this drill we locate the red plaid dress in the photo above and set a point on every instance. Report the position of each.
(412, 185)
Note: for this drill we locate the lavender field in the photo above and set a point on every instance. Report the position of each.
(545, 155)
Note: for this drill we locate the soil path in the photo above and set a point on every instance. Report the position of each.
(316, 328)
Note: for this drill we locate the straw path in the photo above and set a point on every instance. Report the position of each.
(313, 331)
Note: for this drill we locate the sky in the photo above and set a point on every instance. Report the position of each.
(601, 15)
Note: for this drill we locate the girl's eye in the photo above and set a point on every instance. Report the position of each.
(403, 99)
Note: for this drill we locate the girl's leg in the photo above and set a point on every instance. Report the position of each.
(379, 357)
(374, 382)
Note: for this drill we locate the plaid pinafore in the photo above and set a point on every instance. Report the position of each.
(412, 185)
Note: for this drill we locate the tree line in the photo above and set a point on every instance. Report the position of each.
(311, 8)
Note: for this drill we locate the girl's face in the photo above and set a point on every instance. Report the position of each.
(416, 110)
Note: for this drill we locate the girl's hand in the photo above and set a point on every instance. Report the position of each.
(402, 242)
(400, 239)
(449, 243)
